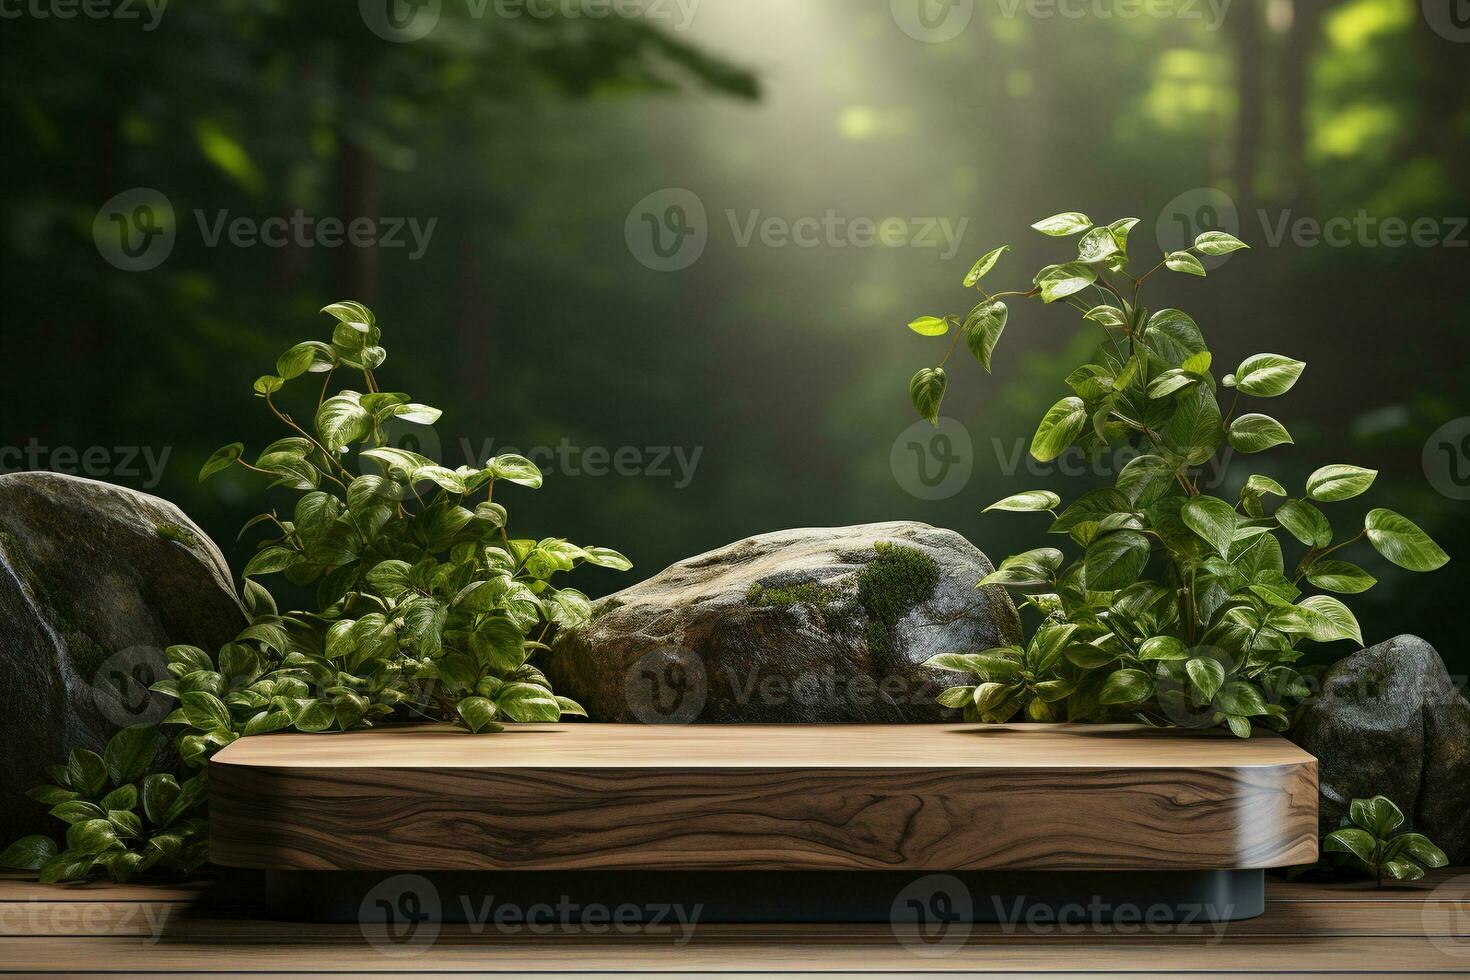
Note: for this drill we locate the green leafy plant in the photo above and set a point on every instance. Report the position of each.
(1179, 609)
(1367, 841)
(427, 607)
(120, 817)
(426, 604)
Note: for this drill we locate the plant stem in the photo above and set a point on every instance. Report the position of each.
(1313, 555)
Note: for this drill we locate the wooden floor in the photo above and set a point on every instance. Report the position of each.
(210, 929)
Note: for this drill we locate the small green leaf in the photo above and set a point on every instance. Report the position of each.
(1127, 686)
(983, 265)
(1417, 846)
(1339, 481)
(268, 384)
(526, 702)
(982, 329)
(1066, 223)
(1379, 816)
(516, 469)
(1098, 244)
(1207, 675)
(1258, 484)
(1184, 262)
(1268, 375)
(130, 753)
(1060, 281)
(86, 771)
(342, 420)
(1240, 698)
(1305, 522)
(607, 558)
(1115, 561)
(312, 355)
(1062, 423)
(477, 713)
(1403, 870)
(926, 391)
(1402, 542)
(1336, 622)
(1108, 316)
(222, 459)
(1163, 648)
(1339, 576)
(1218, 243)
(1254, 433)
(1212, 519)
(1169, 382)
(1027, 500)
(29, 853)
(1351, 840)
(929, 326)
(205, 711)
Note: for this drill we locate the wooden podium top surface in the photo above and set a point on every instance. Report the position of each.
(716, 746)
(595, 797)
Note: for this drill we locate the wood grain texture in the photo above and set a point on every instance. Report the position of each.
(738, 797)
(1322, 930)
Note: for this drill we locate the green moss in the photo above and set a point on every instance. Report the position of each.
(894, 582)
(176, 532)
(899, 579)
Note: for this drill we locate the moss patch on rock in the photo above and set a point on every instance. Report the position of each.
(895, 581)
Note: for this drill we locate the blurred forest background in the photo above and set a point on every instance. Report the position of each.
(762, 384)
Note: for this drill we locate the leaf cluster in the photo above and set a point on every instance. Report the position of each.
(427, 607)
(1366, 840)
(120, 817)
(1178, 607)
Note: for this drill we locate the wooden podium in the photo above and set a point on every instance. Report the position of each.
(768, 822)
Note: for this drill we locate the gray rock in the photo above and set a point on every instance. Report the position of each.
(95, 580)
(1389, 720)
(807, 625)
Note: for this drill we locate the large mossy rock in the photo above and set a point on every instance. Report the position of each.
(1390, 720)
(808, 625)
(95, 580)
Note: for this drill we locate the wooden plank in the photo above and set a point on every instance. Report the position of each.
(1442, 885)
(21, 887)
(763, 797)
(181, 921)
(604, 956)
